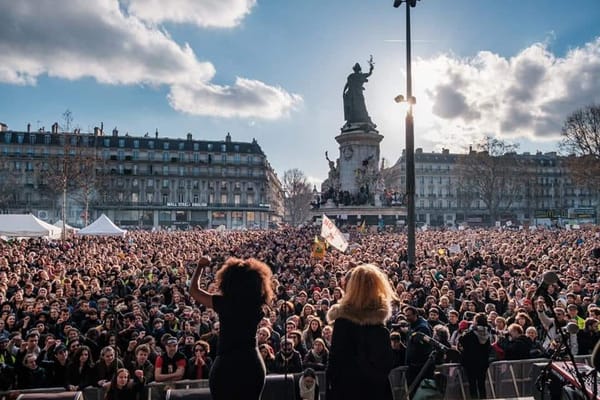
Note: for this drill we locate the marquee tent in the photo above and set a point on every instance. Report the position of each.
(103, 226)
(26, 225)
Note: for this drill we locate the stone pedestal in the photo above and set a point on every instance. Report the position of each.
(359, 158)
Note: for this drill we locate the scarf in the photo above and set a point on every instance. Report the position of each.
(306, 392)
(482, 333)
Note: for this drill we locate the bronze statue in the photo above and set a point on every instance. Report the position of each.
(355, 110)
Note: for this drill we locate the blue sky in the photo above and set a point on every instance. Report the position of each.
(274, 70)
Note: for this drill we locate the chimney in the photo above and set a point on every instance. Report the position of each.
(115, 132)
(156, 133)
(28, 128)
(470, 149)
(189, 137)
(228, 138)
(96, 131)
(102, 127)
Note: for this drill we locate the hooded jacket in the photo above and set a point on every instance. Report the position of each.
(361, 355)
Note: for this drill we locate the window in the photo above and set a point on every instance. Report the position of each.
(135, 197)
(150, 144)
(196, 146)
(209, 146)
(7, 137)
(181, 145)
(237, 199)
(165, 183)
(149, 197)
(165, 170)
(32, 138)
(165, 200)
(136, 144)
(223, 148)
(151, 156)
(196, 199)
(121, 142)
(181, 197)
(166, 145)
(196, 157)
(47, 139)
(107, 142)
(223, 199)
(20, 138)
(136, 155)
(165, 156)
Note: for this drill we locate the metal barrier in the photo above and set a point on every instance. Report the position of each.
(505, 379)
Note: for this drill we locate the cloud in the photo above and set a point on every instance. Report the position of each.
(204, 13)
(247, 98)
(525, 96)
(97, 39)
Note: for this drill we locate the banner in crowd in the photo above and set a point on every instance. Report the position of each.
(318, 249)
(332, 235)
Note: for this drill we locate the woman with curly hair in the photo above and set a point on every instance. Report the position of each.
(361, 356)
(244, 286)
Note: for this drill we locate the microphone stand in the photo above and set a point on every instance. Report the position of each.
(566, 342)
(417, 381)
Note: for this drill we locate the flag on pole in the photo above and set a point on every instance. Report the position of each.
(363, 227)
(318, 249)
(332, 234)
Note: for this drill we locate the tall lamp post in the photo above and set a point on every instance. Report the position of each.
(410, 139)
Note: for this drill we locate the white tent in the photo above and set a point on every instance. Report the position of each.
(103, 226)
(26, 225)
(68, 227)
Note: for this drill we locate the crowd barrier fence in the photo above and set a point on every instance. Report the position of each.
(505, 379)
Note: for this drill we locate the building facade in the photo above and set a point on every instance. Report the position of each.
(549, 196)
(140, 182)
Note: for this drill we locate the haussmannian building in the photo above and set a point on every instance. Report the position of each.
(550, 197)
(148, 182)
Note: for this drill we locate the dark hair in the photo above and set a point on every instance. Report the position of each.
(249, 279)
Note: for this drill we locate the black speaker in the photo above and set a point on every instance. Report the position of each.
(279, 387)
(188, 394)
(51, 396)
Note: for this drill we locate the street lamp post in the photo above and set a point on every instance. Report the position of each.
(410, 140)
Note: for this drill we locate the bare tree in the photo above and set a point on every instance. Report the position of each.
(298, 195)
(581, 141)
(494, 174)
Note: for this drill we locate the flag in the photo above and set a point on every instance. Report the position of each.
(318, 249)
(332, 234)
(362, 227)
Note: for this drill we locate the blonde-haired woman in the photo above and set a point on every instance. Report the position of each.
(361, 356)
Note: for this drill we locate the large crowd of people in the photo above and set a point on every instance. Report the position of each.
(117, 313)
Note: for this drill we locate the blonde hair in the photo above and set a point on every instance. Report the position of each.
(368, 288)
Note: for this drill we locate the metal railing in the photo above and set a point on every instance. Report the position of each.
(505, 379)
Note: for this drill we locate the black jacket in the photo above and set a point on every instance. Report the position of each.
(518, 349)
(418, 351)
(474, 354)
(361, 356)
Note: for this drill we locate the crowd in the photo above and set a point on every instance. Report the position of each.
(117, 313)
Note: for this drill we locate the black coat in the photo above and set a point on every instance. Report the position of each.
(361, 357)
(475, 355)
(518, 349)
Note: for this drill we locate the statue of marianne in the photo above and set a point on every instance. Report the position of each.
(355, 110)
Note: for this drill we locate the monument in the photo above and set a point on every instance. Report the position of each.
(355, 185)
